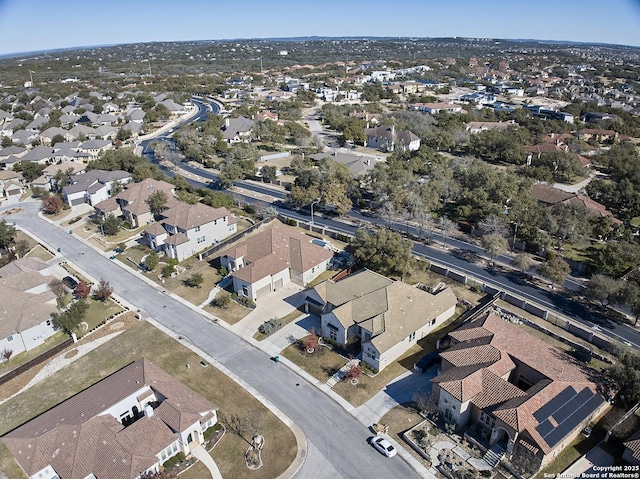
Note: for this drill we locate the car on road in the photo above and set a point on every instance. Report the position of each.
(383, 446)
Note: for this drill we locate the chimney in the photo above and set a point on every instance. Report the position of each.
(148, 410)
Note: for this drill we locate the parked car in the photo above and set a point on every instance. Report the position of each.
(383, 446)
(427, 361)
(70, 282)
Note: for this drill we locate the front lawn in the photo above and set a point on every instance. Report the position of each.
(231, 314)
(144, 340)
(325, 362)
(98, 312)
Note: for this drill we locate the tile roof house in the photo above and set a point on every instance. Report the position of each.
(121, 427)
(386, 138)
(433, 108)
(93, 186)
(549, 195)
(631, 452)
(186, 229)
(27, 305)
(271, 258)
(530, 397)
(387, 317)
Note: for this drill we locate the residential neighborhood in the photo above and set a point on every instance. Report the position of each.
(254, 257)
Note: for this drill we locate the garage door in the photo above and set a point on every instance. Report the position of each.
(262, 291)
(278, 284)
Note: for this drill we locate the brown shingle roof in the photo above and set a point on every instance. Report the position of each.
(275, 249)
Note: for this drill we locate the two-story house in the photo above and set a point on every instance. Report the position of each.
(186, 229)
(122, 427)
(387, 317)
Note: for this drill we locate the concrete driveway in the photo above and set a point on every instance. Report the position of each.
(276, 304)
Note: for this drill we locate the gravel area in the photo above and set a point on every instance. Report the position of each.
(59, 362)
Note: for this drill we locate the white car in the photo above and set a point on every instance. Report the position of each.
(383, 446)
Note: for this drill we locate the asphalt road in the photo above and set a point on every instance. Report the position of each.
(336, 440)
(505, 280)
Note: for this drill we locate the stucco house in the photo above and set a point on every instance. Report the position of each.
(272, 258)
(26, 305)
(530, 398)
(437, 107)
(386, 138)
(121, 427)
(387, 317)
(186, 229)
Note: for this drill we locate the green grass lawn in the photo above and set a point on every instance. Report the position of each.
(99, 311)
(143, 340)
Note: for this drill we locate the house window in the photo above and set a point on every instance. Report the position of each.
(486, 419)
(201, 239)
(245, 291)
(333, 335)
(197, 229)
(9, 339)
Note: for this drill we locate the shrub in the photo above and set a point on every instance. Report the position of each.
(248, 302)
(174, 460)
(354, 372)
(222, 301)
(224, 272)
(211, 431)
(269, 327)
(250, 209)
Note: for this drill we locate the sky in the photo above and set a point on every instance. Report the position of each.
(35, 25)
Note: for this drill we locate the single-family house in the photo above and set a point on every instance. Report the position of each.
(433, 108)
(358, 164)
(26, 305)
(386, 138)
(387, 317)
(271, 258)
(133, 201)
(126, 425)
(474, 127)
(11, 154)
(631, 452)
(93, 186)
(95, 147)
(47, 135)
(531, 398)
(186, 229)
(10, 183)
(237, 130)
(550, 196)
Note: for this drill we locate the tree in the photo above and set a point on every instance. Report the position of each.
(7, 234)
(631, 294)
(268, 173)
(151, 261)
(111, 225)
(603, 289)
(221, 301)
(70, 319)
(83, 290)
(196, 280)
(52, 205)
(626, 374)
(494, 244)
(157, 202)
(493, 224)
(57, 139)
(448, 227)
(555, 269)
(6, 354)
(58, 287)
(21, 247)
(310, 342)
(169, 268)
(123, 134)
(353, 372)
(103, 291)
(385, 252)
(522, 261)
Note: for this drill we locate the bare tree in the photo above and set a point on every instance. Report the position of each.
(493, 224)
(58, 287)
(448, 227)
(6, 354)
(237, 424)
(425, 403)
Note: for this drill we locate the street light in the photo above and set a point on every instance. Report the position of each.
(313, 203)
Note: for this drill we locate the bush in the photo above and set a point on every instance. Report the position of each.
(250, 209)
(248, 302)
(222, 301)
(269, 327)
(211, 431)
(174, 460)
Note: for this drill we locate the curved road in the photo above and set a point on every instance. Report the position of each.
(336, 440)
(507, 281)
